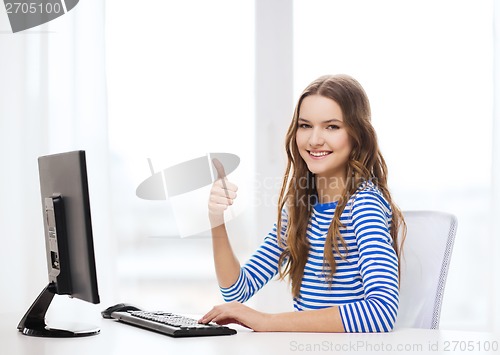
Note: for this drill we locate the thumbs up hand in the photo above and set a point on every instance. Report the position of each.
(222, 195)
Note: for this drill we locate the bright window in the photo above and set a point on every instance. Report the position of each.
(180, 85)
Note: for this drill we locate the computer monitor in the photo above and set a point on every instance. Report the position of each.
(68, 241)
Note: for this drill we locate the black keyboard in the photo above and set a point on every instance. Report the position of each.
(171, 324)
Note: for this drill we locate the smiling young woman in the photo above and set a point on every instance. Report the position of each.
(336, 236)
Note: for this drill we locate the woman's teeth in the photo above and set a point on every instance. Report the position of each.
(319, 154)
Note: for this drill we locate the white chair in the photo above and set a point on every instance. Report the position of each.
(424, 267)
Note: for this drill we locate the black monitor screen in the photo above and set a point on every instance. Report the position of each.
(68, 239)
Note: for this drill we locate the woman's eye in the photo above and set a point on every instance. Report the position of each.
(333, 127)
(304, 125)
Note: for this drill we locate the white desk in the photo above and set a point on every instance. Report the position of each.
(117, 338)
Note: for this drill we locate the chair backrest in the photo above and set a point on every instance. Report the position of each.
(424, 267)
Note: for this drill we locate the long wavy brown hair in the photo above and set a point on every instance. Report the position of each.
(298, 191)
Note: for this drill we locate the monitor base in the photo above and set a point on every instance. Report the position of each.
(57, 333)
(33, 322)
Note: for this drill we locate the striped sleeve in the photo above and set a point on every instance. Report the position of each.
(378, 265)
(258, 270)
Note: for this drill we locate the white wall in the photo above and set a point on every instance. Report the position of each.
(52, 99)
(495, 178)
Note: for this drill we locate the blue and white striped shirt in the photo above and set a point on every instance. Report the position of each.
(365, 284)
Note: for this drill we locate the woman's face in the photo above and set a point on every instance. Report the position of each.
(321, 137)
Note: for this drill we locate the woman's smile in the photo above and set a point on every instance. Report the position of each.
(319, 154)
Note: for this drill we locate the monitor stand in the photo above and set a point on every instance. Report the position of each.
(33, 322)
